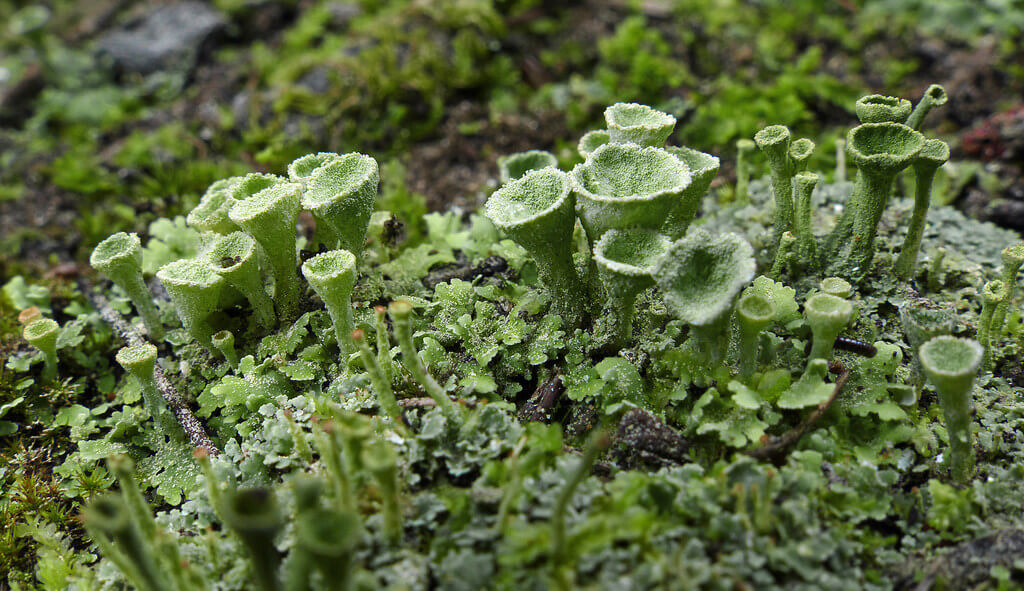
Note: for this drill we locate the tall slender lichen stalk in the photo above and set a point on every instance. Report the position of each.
(880, 151)
(269, 216)
(744, 149)
(806, 245)
(109, 524)
(774, 142)
(379, 459)
(537, 211)
(1013, 259)
(934, 96)
(381, 385)
(951, 365)
(934, 154)
(401, 318)
(42, 334)
(119, 257)
(332, 275)
(991, 295)
(329, 537)
(253, 514)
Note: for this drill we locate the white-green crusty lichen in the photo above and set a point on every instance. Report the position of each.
(324, 474)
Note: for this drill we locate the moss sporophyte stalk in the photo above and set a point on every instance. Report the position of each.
(711, 367)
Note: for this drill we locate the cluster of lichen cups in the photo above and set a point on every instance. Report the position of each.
(248, 231)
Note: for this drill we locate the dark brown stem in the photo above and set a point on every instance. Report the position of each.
(775, 448)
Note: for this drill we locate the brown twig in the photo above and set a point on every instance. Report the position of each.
(775, 449)
(189, 423)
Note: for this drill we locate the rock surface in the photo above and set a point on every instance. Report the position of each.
(170, 37)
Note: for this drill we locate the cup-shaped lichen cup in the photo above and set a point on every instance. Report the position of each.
(302, 168)
(700, 277)
(234, 258)
(119, 257)
(269, 217)
(195, 290)
(625, 185)
(951, 364)
(537, 212)
(340, 196)
(638, 124)
(827, 315)
(515, 166)
(332, 275)
(591, 141)
(626, 260)
(211, 215)
(877, 108)
(880, 151)
(703, 168)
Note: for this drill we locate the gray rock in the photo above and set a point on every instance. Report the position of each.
(170, 37)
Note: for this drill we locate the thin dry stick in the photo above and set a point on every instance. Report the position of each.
(775, 450)
(189, 423)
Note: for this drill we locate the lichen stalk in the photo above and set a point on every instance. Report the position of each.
(381, 385)
(951, 365)
(140, 362)
(991, 295)
(806, 246)
(224, 341)
(379, 459)
(401, 318)
(744, 149)
(934, 154)
(774, 142)
(754, 312)
(119, 257)
(1013, 259)
(934, 96)
(254, 516)
(332, 275)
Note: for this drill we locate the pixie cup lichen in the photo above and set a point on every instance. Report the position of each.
(800, 152)
(42, 334)
(224, 341)
(254, 515)
(744, 148)
(827, 316)
(625, 185)
(700, 277)
(332, 275)
(269, 216)
(591, 141)
(119, 257)
(340, 196)
(1013, 259)
(195, 290)
(638, 124)
(516, 166)
(877, 108)
(951, 364)
(234, 257)
(302, 168)
(806, 246)
(933, 155)
(537, 211)
(934, 96)
(211, 215)
(992, 294)
(703, 168)
(880, 151)
(626, 260)
(329, 537)
(774, 142)
(139, 361)
(754, 312)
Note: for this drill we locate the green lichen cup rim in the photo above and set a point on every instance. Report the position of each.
(329, 266)
(948, 357)
(303, 167)
(526, 200)
(879, 108)
(518, 165)
(352, 172)
(632, 252)
(605, 162)
(886, 147)
(116, 249)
